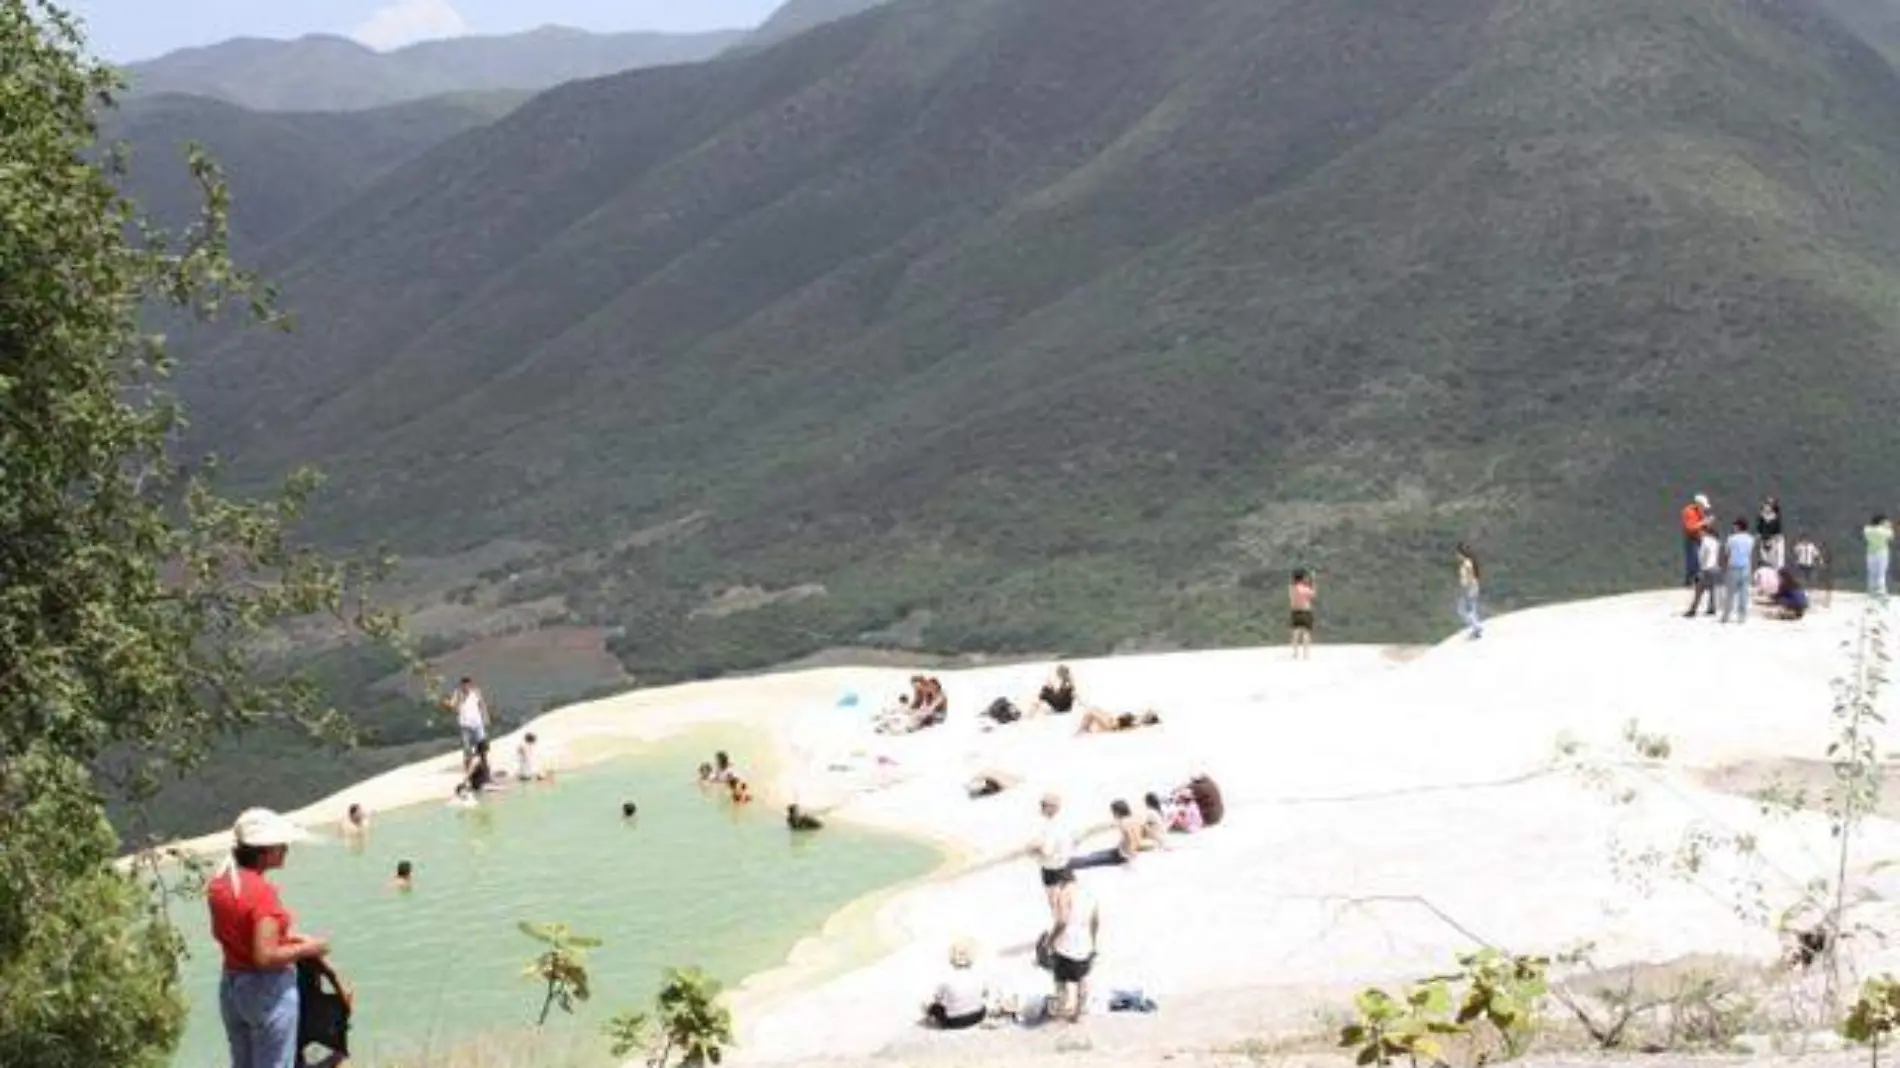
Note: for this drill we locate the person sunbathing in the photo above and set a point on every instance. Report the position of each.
(800, 820)
(1101, 721)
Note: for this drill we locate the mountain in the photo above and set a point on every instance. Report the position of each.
(1878, 21)
(284, 169)
(327, 73)
(1072, 325)
(796, 16)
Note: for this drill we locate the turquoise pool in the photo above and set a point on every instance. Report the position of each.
(691, 880)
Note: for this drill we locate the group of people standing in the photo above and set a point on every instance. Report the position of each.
(1732, 568)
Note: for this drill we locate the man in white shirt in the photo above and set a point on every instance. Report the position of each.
(1055, 849)
(471, 718)
(1709, 557)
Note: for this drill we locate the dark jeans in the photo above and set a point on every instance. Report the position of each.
(1691, 559)
(1101, 858)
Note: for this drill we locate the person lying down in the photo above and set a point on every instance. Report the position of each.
(1101, 721)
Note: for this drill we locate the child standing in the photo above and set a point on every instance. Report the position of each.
(1300, 595)
(1468, 578)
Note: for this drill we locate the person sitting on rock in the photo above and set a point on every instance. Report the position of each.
(961, 1000)
(1791, 598)
(1100, 721)
(1058, 694)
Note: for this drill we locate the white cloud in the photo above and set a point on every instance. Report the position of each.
(407, 21)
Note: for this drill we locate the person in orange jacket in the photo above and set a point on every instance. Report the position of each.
(1695, 517)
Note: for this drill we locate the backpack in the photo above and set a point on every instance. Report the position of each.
(1002, 711)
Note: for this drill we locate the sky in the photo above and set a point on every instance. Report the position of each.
(127, 30)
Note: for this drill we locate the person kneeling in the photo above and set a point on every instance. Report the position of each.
(962, 999)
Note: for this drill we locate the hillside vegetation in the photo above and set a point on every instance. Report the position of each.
(1071, 325)
(285, 169)
(327, 73)
(797, 16)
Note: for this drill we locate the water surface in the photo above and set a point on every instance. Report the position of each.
(690, 880)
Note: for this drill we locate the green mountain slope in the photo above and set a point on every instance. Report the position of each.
(1072, 324)
(284, 168)
(327, 73)
(797, 16)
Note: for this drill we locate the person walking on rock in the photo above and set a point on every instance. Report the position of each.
(1695, 516)
(1879, 538)
(1468, 579)
(1740, 554)
(1708, 574)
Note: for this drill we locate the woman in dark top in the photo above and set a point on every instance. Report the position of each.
(1058, 695)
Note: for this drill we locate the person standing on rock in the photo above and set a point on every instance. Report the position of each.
(1300, 595)
(1709, 576)
(471, 719)
(1740, 554)
(1055, 850)
(1768, 532)
(1468, 579)
(1078, 923)
(1879, 537)
(1695, 516)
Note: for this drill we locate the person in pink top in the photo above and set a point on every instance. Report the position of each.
(1300, 595)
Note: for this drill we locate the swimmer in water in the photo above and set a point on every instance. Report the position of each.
(628, 810)
(799, 820)
(405, 879)
(741, 793)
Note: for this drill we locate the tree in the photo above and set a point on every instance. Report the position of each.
(692, 1023)
(132, 594)
(562, 966)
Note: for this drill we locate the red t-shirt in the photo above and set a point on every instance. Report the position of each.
(235, 914)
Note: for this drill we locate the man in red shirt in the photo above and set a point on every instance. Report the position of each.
(258, 994)
(1695, 516)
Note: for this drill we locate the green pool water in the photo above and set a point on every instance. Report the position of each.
(692, 880)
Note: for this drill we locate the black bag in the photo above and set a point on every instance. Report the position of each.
(323, 1016)
(1002, 711)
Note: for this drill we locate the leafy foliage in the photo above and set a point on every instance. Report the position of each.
(132, 595)
(1504, 993)
(1874, 1015)
(562, 967)
(694, 1026)
(1408, 1026)
(1492, 1001)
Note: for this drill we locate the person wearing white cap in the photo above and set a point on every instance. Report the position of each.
(257, 996)
(1697, 517)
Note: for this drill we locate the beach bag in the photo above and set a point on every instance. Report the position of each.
(1002, 711)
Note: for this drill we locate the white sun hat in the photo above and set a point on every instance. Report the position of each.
(1702, 499)
(261, 827)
